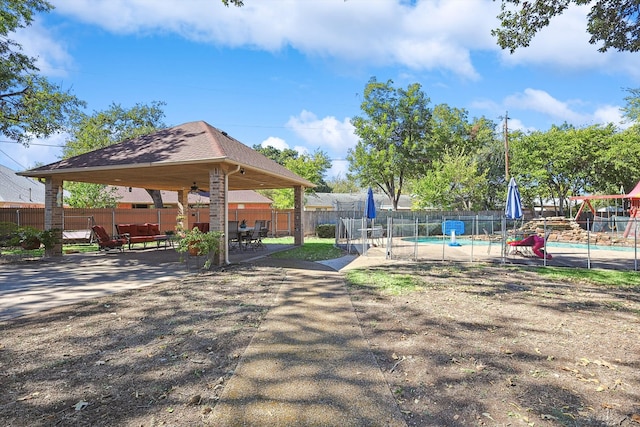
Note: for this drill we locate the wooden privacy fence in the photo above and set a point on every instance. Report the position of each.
(282, 221)
(84, 219)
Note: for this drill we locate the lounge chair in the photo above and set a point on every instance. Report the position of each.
(105, 242)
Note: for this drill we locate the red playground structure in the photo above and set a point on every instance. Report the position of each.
(634, 207)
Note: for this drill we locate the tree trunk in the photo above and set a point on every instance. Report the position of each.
(156, 196)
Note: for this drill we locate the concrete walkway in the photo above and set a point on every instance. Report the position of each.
(309, 363)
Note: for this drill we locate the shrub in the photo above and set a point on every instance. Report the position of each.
(326, 231)
(8, 234)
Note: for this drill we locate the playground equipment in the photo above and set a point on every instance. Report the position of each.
(536, 243)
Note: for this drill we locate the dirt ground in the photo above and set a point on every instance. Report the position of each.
(475, 346)
(496, 346)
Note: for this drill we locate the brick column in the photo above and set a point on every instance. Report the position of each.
(298, 232)
(217, 199)
(53, 212)
(182, 222)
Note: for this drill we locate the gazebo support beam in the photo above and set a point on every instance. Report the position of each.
(53, 212)
(217, 198)
(298, 234)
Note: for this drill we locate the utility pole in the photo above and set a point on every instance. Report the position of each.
(506, 147)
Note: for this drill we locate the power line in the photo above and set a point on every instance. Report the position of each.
(14, 160)
(33, 143)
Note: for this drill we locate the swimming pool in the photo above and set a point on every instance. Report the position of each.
(480, 242)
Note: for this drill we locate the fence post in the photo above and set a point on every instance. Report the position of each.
(415, 240)
(546, 250)
(588, 244)
(635, 244)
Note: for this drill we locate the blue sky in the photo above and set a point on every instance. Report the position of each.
(291, 73)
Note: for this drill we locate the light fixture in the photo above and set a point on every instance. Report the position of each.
(194, 187)
(130, 189)
(241, 171)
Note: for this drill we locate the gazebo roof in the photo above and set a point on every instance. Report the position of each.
(174, 159)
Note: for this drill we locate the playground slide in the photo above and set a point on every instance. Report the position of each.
(536, 243)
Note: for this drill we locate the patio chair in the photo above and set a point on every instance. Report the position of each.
(234, 237)
(264, 230)
(252, 239)
(105, 242)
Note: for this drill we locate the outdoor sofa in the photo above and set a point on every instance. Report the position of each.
(142, 233)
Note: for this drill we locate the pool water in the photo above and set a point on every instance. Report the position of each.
(467, 241)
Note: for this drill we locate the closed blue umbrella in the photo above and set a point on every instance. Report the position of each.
(513, 210)
(370, 205)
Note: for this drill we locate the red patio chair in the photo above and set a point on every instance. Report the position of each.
(105, 242)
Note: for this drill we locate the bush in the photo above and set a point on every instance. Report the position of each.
(326, 231)
(8, 234)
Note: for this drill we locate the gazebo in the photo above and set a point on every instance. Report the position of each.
(189, 157)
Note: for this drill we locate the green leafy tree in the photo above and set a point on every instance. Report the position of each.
(104, 128)
(613, 23)
(560, 162)
(279, 156)
(343, 184)
(312, 167)
(394, 137)
(631, 111)
(456, 182)
(84, 194)
(453, 131)
(30, 105)
(619, 162)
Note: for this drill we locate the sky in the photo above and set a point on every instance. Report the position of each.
(291, 73)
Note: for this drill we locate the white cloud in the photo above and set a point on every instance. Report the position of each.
(52, 58)
(275, 142)
(541, 102)
(428, 35)
(561, 111)
(610, 114)
(564, 44)
(328, 134)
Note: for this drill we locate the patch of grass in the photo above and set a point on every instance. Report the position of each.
(384, 281)
(40, 252)
(314, 249)
(600, 277)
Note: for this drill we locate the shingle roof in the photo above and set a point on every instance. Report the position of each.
(352, 201)
(18, 190)
(173, 159)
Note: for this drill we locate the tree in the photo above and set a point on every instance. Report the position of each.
(104, 128)
(312, 167)
(631, 111)
(562, 161)
(343, 184)
(456, 182)
(86, 195)
(612, 22)
(394, 134)
(279, 156)
(30, 106)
